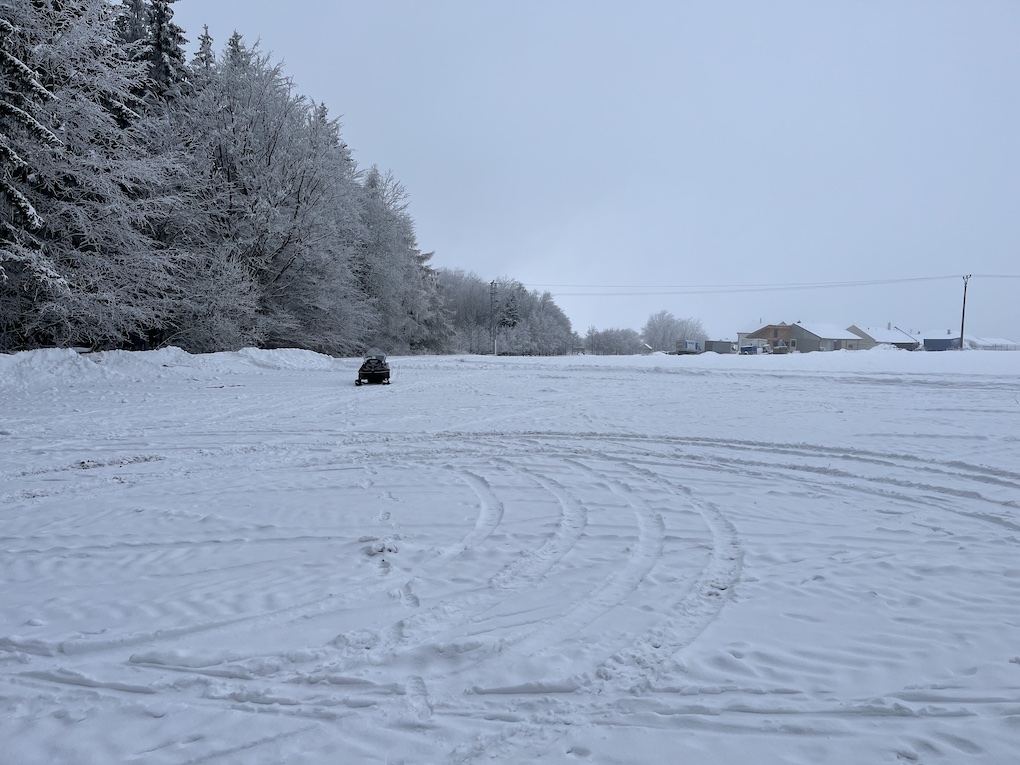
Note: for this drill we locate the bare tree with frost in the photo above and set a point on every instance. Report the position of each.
(391, 270)
(525, 322)
(663, 330)
(276, 210)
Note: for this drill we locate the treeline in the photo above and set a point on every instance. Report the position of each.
(503, 316)
(662, 332)
(148, 200)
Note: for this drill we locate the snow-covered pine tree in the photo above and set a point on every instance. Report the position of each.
(21, 94)
(133, 27)
(168, 70)
(148, 33)
(24, 130)
(205, 57)
(86, 271)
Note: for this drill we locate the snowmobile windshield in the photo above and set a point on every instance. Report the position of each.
(375, 353)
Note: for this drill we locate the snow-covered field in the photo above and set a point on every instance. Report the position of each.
(243, 558)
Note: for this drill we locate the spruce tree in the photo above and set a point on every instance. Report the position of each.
(23, 127)
(133, 26)
(168, 70)
(85, 270)
(205, 57)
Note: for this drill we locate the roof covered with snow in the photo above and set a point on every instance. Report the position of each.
(935, 334)
(991, 342)
(828, 331)
(972, 341)
(887, 335)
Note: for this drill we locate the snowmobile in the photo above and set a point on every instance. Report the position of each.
(374, 369)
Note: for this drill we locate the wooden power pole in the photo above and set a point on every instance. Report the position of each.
(492, 314)
(963, 313)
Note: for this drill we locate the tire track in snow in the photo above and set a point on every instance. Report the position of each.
(413, 634)
(957, 473)
(897, 460)
(634, 473)
(490, 514)
(632, 668)
(491, 510)
(641, 558)
(638, 664)
(884, 486)
(417, 633)
(534, 565)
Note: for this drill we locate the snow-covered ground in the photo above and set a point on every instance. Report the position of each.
(243, 558)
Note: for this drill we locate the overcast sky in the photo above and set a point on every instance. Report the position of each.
(668, 147)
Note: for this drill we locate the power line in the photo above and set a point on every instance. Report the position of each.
(716, 289)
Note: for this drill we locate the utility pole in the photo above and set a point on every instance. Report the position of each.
(492, 314)
(963, 314)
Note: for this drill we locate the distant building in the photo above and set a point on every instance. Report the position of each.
(990, 344)
(941, 343)
(775, 337)
(950, 340)
(719, 346)
(823, 337)
(803, 338)
(872, 336)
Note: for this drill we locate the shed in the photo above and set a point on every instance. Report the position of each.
(718, 346)
(950, 340)
(943, 343)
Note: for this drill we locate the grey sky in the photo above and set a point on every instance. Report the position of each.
(672, 145)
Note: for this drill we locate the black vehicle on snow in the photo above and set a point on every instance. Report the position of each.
(374, 369)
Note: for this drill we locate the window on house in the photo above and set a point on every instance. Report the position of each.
(775, 333)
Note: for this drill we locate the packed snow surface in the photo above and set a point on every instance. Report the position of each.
(244, 558)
